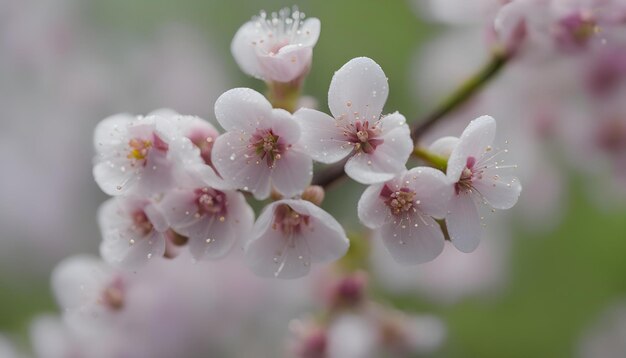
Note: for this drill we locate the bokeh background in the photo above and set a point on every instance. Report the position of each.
(65, 65)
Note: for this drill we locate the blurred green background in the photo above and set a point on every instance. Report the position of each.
(559, 281)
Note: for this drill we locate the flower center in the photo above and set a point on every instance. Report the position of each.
(611, 137)
(577, 28)
(399, 201)
(211, 202)
(289, 221)
(268, 146)
(465, 182)
(364, 137)
(141, 223)
(140, 148)
(278, 30)
(113, 295)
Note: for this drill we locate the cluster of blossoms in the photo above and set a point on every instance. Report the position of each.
(180, 191)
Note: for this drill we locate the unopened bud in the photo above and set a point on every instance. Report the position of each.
(314, 194)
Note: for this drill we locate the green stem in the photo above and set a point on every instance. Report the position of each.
(431, 158)
(462, 94)
(284, 95)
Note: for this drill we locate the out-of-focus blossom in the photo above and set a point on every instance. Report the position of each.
(278, 48)
(290, 235)
(475, 172)
(260, 148)
(378, 146)
(403, 213)
(606, 338)
(457, 12)
(451, 277)
(7, 350)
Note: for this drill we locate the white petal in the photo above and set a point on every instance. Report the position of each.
(292, 173)
(242, 110)
(112, 179)
(474, 141)
(413, 240)
(269, 255)
(243, 48)
(501, 192)
(250, 174)
(389, 158)
(212, 238)
(321, 136)
(77, 280)
(463, 222)
(290, 63)
(371, 208)
(179, 208)
(284, 125)
(309, 33)
(358, 86)
(111, 131)
(444, 146)
(326, 238)
(121, 245)
(432, 188)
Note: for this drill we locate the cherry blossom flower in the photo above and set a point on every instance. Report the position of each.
(260, 148)
(87, 288)
(290, 235)
(402, 212)
(475, 173)
(378, 146)
(212, 219)
(132, 154)
(277, 48)
(133, 231)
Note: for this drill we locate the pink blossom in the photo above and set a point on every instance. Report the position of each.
(260, 148)
(132, 154)
(133, 231)
(290, 235)
(277, 48)
(474, 170)
(402, 212)
(378, 147)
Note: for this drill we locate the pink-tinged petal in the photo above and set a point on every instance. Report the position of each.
(247, 173)
(432, 188)
(77, 280)
(309, 33)
(474, 141)
(285, 126)
(157, 219)
(116, 250)
(321, 137)
(290, 63)
(269, 255)
(157, 175)
(388, 159)
(414, 240)
(112, 180)
(463, 222)
(243, 48)
(371, 208)
(216, 238)
(242, 110)
(110, 132)
(444, 146)
(292, 173)
(123, 246)
(179, 207)
(326, 239)
(501, 192)
(360, 86)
